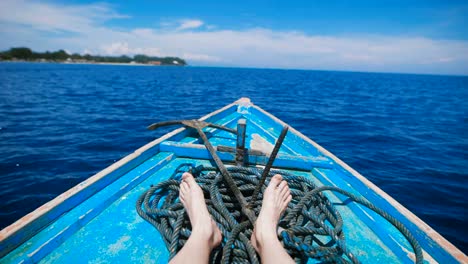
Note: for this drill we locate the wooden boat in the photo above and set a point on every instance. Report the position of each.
(96, 220)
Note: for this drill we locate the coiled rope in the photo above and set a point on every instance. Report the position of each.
(312, 225)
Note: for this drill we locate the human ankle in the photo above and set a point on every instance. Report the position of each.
(207, 234)
(266, 226)
(264, 235)
(203, 231)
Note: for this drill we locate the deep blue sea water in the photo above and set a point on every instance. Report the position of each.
(60, 124)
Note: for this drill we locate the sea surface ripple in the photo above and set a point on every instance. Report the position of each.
(60, 124)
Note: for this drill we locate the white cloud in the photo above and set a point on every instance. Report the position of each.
(56, 17)
(190, 24)
(445, 59)
(255, 47)
(201, 57)
(87, 51)
(122, 48)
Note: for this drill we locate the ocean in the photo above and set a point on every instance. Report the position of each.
(61, 123)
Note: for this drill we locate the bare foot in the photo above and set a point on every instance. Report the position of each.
(203, 226)
(275, 200)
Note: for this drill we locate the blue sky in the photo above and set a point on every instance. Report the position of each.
(383, 36)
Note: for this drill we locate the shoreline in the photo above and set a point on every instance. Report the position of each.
(90, 63)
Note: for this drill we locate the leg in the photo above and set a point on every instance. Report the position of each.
(205, 234)
(264, 238)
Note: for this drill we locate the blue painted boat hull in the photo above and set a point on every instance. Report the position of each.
(96, 221)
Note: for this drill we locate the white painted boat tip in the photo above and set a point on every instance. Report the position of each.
(244, 101)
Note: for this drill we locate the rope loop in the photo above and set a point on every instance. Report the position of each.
(312, 226)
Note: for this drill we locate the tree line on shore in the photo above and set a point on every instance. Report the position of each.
(26, 54)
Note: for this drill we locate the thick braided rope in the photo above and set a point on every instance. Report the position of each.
(309, 215)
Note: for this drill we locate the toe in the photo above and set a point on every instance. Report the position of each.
(284, 193)
(184, 188)
(182, 192)
(282, 186)
(284, 205)
(277, 177)
(188, 178)
(186, 175)
(275, 180)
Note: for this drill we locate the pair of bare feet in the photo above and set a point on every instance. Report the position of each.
(205, 236)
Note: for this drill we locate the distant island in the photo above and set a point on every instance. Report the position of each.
(26, 54)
